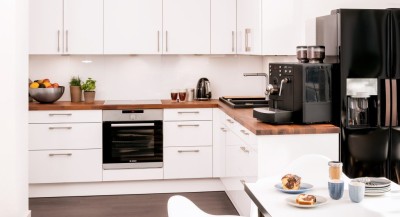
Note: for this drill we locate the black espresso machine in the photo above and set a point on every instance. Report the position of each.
(298, 93)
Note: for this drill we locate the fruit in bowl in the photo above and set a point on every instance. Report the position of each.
(45, 92)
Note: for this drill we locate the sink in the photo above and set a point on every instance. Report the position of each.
(244, 102)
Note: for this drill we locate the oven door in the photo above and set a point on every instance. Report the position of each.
(132, 144)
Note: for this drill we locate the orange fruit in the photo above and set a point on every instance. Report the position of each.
(34, 85)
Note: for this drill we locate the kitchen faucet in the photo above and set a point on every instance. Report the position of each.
(267, 85)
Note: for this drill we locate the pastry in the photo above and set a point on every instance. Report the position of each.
(306, 199)
(291, 182)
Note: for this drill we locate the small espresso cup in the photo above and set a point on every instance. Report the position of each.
(336, 188)
(356, 191)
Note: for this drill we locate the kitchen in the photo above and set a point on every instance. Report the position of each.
(144, 77)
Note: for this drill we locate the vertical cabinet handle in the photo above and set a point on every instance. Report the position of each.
(233, 41)
(387, 98)
(158, 41)
(247, 47)
(66, 41)
(166, 41)
(58, 41)
(394, 103)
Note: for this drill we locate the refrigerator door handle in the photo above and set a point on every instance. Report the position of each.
(394, 103)
(387, 100)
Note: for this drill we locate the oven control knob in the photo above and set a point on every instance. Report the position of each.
(132, 117)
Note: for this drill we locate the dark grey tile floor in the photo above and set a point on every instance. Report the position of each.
(148, 205)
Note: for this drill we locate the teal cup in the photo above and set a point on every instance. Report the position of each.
(356, 191)
(336, 188)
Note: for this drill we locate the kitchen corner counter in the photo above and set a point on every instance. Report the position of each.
(243, 116)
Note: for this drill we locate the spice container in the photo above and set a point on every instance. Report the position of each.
(335, 169)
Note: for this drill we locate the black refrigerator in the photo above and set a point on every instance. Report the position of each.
(365, 95)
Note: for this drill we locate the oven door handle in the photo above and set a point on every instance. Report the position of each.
(133, 125)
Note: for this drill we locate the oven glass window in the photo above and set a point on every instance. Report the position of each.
(132, 142)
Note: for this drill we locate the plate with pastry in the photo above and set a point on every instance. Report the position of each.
(292, 184)
(306, 200)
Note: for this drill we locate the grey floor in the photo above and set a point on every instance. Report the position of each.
(148, 205)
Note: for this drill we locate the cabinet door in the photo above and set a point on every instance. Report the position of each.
(46, 26)
(83, 26)
(132, 26)
(186, 26)
(61, 166)
(249, 26)
(219, 140)
(187, 162)
(223, 26)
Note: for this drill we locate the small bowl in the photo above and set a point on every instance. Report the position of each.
(46, 95)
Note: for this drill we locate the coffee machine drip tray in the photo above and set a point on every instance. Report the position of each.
(273, 116)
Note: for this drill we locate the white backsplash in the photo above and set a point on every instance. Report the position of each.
(152, 77)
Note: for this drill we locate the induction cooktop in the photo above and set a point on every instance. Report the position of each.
(133, 102)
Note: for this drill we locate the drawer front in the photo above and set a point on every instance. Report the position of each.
(65, 136)
(188, 133)
(187, 162)
(230, 122)
(245, 134)
(196, 114)
(60, 166)
(219, 115)
(65, 116)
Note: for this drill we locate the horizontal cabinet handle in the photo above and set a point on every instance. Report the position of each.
(230, 121)
(60, 154)
(243, 181)
(223, 129)
(182, 151)
(61, 114)
(244, 132)
(133, 125)
(188, 125)
(60, 128)
(244, 149)
(194, 112)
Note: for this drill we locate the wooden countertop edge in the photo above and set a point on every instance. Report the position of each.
(242, 116)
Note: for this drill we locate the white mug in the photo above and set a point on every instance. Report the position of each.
(356, 191)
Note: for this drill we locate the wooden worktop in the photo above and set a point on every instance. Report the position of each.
(243, 116)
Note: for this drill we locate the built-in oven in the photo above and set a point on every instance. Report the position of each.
(132, 138)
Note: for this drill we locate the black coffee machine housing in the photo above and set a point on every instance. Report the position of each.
(298, 93)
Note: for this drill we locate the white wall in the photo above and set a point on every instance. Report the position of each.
(152, 77)
(14, 110)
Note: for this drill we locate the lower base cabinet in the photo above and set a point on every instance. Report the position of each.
(187, 162)
(61, 166)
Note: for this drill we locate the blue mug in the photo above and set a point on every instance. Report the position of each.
(336, 188)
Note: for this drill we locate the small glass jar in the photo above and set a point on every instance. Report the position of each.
(335, 169)
(301, 52)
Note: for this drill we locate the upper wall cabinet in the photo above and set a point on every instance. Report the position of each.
(132, 26)
(66, 27)
(249, 31)
(223, 26)
(186, 26)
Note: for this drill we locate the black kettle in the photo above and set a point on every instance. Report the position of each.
(203, 89)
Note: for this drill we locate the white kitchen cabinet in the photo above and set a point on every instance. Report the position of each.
(249, 27)
(186, 26)
(223, 26)
(65, 136)
(60, 166)
(187, 162)
(65, 146)
(46, 27)
(66, 27)
(187, 133)
(219, 140)
(132, 27)
(185, 114)
(65, 116)
(188, 143)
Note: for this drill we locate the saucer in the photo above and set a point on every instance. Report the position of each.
(303, 188)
